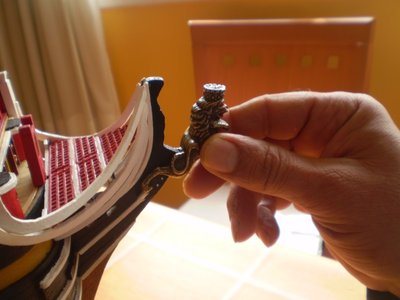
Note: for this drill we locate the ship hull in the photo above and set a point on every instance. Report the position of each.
(76, 253)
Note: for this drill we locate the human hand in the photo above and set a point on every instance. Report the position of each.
(335, 156)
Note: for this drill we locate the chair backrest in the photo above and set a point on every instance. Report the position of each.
(254, 57)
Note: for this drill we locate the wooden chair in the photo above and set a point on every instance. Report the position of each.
(254, 57)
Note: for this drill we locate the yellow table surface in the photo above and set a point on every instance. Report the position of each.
(171, 255)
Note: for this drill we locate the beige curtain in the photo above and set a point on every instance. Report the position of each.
(55, 54)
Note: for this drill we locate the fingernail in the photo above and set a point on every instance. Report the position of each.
(267, 228)
(220, 155)
(234, 230)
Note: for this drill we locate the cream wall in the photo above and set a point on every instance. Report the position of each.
(154, 39)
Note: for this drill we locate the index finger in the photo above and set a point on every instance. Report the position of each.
(307, 119)
(276, 116)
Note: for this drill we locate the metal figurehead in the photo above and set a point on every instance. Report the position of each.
(205, 120)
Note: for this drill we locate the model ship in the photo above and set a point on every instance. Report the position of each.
(67, 201)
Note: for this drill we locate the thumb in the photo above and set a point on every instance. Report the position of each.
(267, 168)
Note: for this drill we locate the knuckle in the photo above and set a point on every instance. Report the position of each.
(267, 170)
(274, 169)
